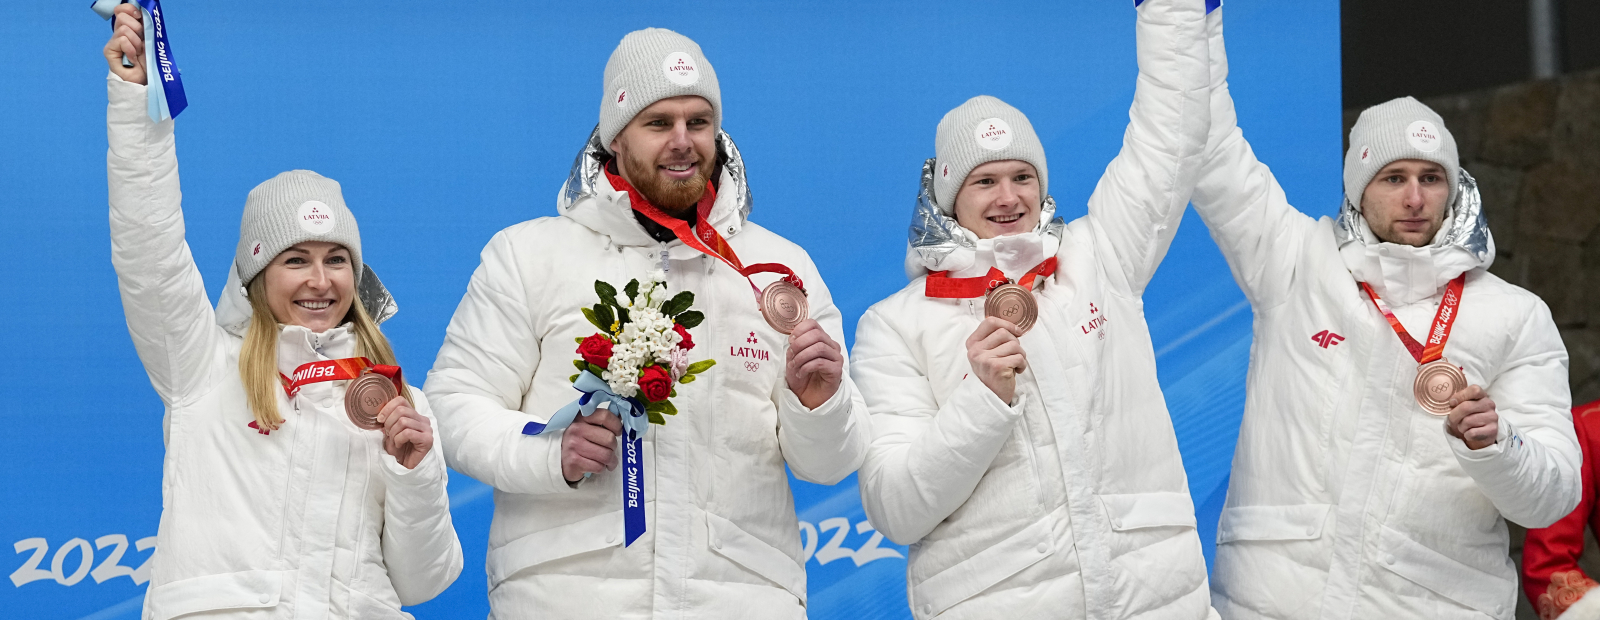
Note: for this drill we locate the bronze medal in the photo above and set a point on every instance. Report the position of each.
(365, 397)
(1013, 303)
(784, 306)
(1436, 382)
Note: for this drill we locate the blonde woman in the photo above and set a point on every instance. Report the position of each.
(275, 504)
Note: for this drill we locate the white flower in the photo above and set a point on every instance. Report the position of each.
(656, 275)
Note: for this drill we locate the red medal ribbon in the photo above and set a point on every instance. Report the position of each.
(337, 370)
(1443, 320)
(708, 242)
(941, 285)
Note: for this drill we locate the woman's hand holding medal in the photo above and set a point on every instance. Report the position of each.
(127, 41)
(1473, 418)
(996, 356)
(815, 364)
(407, 435)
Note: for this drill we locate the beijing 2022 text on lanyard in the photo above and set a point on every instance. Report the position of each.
(159, 65)
(1437, 378)
(782, 303)
(371, 386)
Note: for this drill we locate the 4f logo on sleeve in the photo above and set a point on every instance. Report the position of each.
(1326, 338)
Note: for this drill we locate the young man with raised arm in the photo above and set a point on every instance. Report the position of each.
(1403, 403)
(1022, 446)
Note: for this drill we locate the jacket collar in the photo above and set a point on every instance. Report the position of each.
(298, 345)
(938, 243)
(589, 199)
(1403, 274)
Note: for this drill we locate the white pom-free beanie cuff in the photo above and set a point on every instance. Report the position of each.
(1399, 129)
(982, 130)
(650, 65)
(295, 206)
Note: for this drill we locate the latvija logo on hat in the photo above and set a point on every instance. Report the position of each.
(315, 217)
(1423, 136)
(680, 69)
(993, 134)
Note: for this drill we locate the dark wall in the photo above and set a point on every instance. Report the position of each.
(1422, 48)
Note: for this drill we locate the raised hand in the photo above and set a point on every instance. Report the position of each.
(127, 39)
(996, 356)
(815, 365)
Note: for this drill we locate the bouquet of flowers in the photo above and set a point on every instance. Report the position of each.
(642, 348)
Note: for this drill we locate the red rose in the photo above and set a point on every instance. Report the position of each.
(687, 342)
(596, 350)
(655, 383)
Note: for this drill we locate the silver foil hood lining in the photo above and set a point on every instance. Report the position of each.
(935, 235)
(1469, 229)
(234, 312)
(375, 297)
(586, 173)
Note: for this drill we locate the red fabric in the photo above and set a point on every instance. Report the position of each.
(1550, 575)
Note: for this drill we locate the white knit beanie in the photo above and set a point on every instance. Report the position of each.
(650, 65)
(982, 130)
(1398, 129)
(295, 206)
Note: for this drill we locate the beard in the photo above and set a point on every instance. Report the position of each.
(673, 196)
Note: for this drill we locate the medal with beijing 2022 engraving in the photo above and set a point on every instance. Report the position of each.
(1013, 303)
(371, 386)
(784, 306)
(1437, 379)
(365, 397)
(1002, 298)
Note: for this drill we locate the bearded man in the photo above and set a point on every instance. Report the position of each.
(1403, 403)
(657, 193)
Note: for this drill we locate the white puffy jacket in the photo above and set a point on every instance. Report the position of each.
(1347, 500)
(1071, 503)
(723, 539)
(314, 520)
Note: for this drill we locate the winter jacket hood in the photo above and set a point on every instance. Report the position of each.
(938, 243)
(614, 217)
(1406, 274)
(233, 308)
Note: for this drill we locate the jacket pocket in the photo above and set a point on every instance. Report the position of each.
(732, 542)
(364, 606)
(1447, 577)
(255, 589)
(1132, 511)
(591, 534)
(983, 570)
(1300, 522)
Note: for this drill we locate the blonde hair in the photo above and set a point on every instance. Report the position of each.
(258, 357)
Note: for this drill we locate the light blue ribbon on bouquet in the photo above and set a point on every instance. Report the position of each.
(597, 392)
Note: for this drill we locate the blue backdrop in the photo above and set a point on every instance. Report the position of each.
(447, 124)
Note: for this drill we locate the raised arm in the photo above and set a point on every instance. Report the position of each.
(169, 316)
(1239, 199)
(1141, 197)
(1531, 473)
(476, 387)
(925, 459)
(825, 444)
(420, 547)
